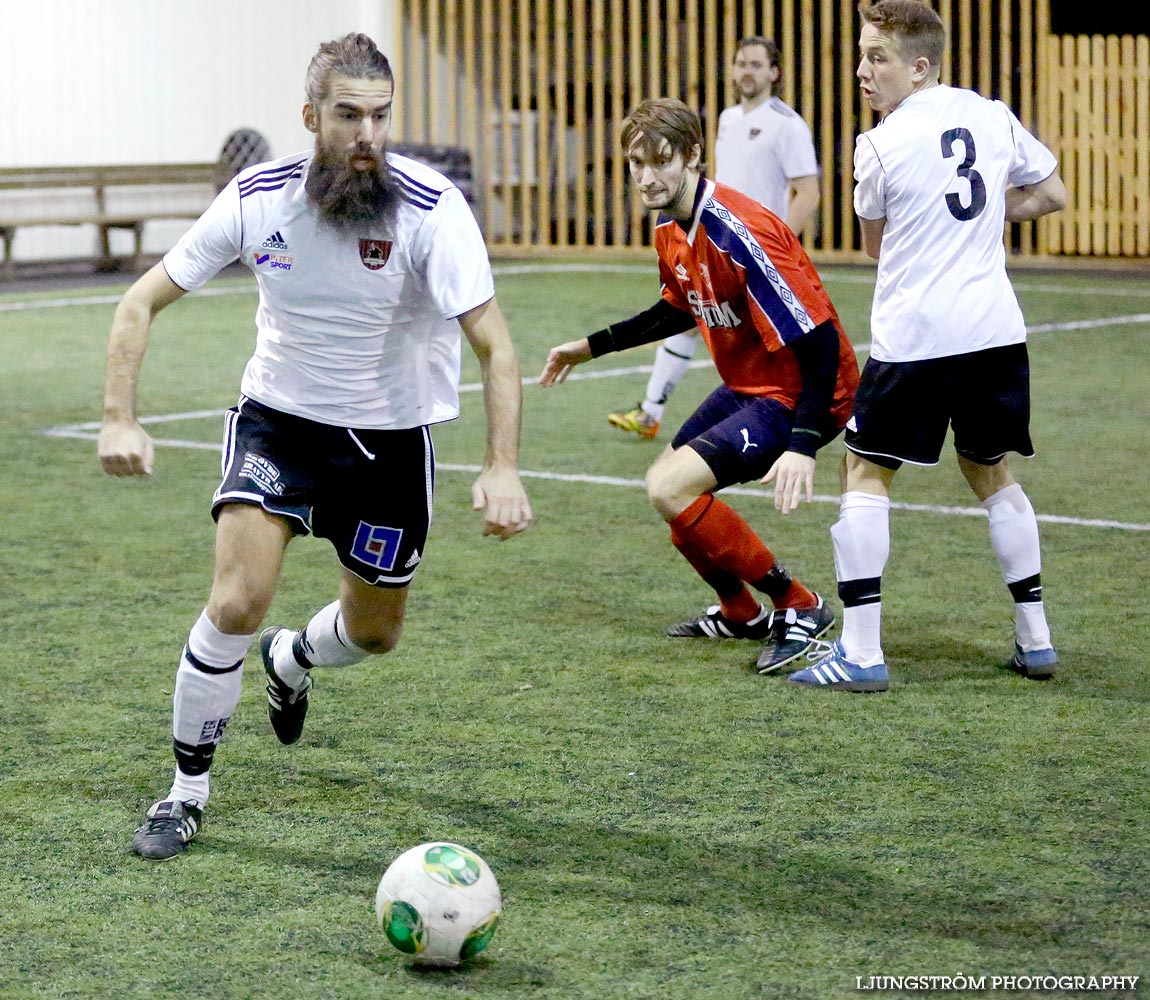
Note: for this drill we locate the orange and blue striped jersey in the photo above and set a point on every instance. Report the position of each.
(745, 277)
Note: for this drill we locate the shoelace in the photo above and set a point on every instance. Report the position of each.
(165, 824)
(821, 649)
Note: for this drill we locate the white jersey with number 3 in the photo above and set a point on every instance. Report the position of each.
(355, 327)
(937, 169)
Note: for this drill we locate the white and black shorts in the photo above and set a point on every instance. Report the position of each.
(369, 492)
(902, 409)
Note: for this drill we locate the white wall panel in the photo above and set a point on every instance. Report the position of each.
(143, 81)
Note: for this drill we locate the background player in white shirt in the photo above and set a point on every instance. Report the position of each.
(765, 150)
(368, 267)
(935, 181)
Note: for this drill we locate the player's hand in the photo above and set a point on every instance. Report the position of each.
(500, 495)
(792, 474)
(562, 359)
(125, 449)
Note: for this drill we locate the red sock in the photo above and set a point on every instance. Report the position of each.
(797, 596)
(724, 551)
(742, 607)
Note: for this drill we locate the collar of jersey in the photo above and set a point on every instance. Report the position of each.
(702, 194)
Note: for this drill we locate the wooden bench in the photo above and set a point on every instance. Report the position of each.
(124, 197)
(128, 196)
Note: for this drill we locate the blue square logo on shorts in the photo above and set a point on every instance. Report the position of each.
(376, 545)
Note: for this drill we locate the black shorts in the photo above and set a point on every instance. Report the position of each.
(739, 437)
(368, 492)
(902, 409)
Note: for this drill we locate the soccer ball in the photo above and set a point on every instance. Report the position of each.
(438, 903)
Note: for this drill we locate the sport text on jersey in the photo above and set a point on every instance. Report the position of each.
(277, 261)
(714, 314)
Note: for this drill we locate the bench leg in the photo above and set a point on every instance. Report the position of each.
(8, 235)
(106, 263)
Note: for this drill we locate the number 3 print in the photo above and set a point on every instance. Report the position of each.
(964, 213)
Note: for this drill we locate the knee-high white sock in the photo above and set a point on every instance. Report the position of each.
(672, 359)
(861, 538)
(1014, 538)
(208, 684)
(323, 642)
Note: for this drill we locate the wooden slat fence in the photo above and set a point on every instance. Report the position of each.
(537, 90)
(1097, 102)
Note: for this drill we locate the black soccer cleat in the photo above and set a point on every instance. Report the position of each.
(169, 828)
(793, 633)
(713, 624)
(287, 708)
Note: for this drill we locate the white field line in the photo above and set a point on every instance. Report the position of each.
(87, 432)
(66, 429)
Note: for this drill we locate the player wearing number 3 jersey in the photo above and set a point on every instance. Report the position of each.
(935, 182)
(937, 171)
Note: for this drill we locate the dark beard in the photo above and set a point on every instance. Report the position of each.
(349, 198)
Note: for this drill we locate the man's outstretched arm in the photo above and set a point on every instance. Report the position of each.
(124, 447)
(498, 490)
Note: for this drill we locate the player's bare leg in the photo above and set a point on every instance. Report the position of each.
(861, 539)
(1014, 538)
(723, 549)
(249, 554)
(365, 620)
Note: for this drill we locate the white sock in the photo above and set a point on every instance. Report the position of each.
(189, 788)
(672, 359)
(208, 685)
(861, 539)
(1014, 538)
(324, 642)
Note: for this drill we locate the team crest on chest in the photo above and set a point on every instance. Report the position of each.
(374, 253)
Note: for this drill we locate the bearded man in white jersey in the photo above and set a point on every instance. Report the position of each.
(368, 266)
(935, 182)
(765, 150)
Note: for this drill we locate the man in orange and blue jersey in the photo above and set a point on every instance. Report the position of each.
(734, 271)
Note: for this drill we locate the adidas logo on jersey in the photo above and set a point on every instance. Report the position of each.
(413, 561)
(275, 242)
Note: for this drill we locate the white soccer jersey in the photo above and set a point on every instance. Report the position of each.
(937, 169)
(353, 329)
(760, 152)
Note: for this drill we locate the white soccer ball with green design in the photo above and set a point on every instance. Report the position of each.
(439, 903)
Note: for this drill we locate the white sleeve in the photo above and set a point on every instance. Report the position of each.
(870, 186)
(452, 255)
(1032, 162)
(798, 150)
(212, 242)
